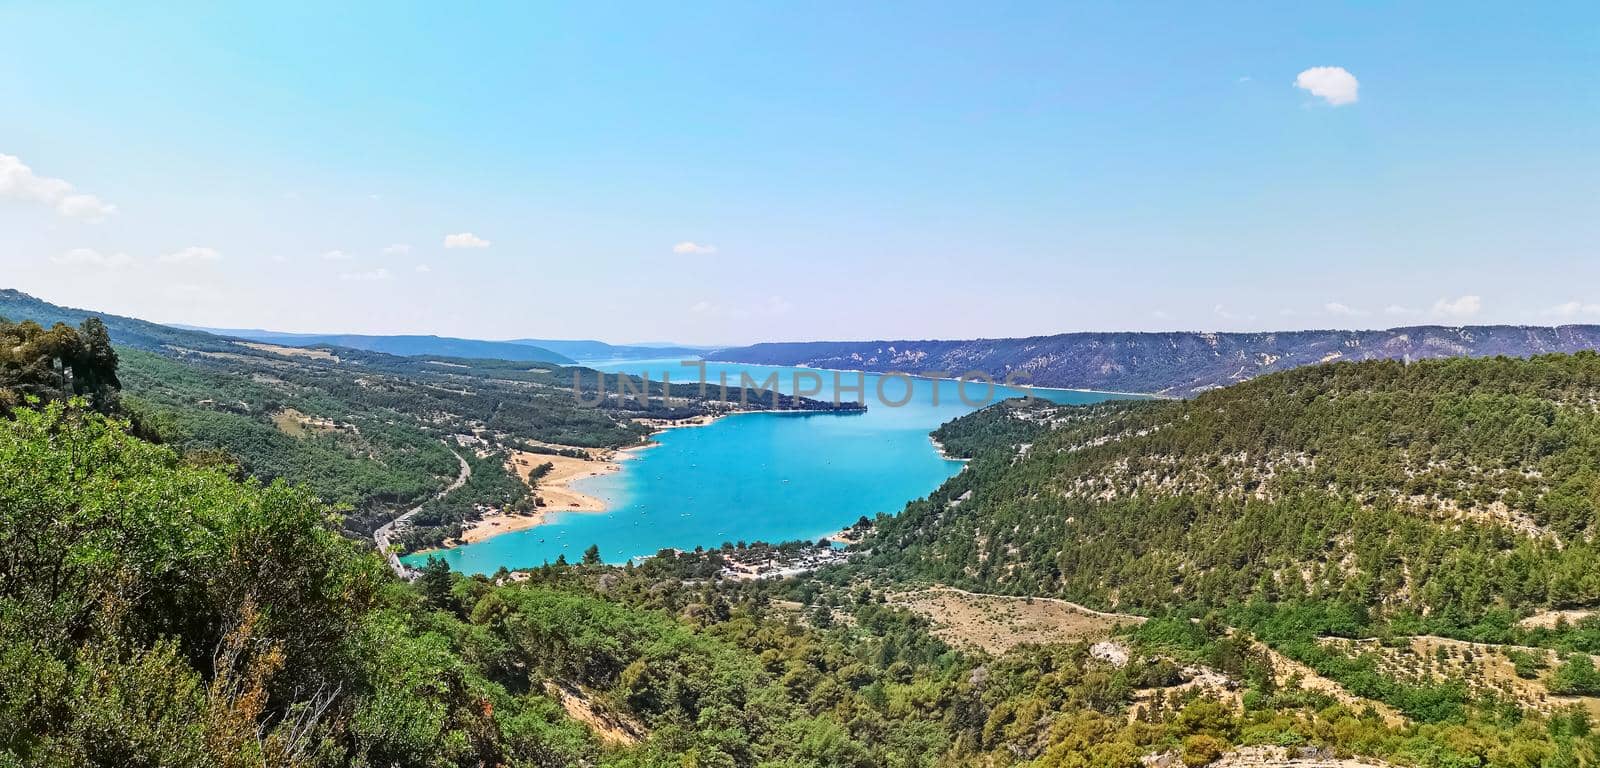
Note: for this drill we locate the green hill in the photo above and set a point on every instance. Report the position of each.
(375, 432)
(1452, 492)
(157, 609)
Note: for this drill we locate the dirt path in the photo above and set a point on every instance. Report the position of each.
(385, 533)
(1284, 669)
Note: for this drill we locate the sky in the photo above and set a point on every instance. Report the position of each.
(726, 173)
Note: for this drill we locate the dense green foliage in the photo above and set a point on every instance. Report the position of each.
(184, 605)
(55, 364)
(1002, 428)
(363, 429)
(489, 485)
(156, 610)
(1443, 494)
(153, 612)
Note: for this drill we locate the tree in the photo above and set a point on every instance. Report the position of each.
(434, 581)
(591, 556)
(1576, 677)
(53, 365)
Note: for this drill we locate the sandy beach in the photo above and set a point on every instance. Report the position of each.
(553, 488)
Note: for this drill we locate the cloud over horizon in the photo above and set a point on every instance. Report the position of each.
(1462, 307)
(1334, 85)
(19, 182)
(1343, 310)
(1571, 309)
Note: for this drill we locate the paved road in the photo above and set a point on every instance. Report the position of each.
(387, 531)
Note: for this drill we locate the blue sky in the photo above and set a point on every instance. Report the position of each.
(724, 173)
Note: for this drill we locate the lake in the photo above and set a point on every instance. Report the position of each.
(755, 476)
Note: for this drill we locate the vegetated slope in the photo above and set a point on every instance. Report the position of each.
(1451, 492)
(366, 429)
(1334, 512)
(158, 612)
(1176, 363)
(404, 345)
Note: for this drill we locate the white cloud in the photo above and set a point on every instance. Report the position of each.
(702, 307)
(193, 253)
(1401, 311)
(1571, 309)
(1334, 85)
(1335, 308)
(1465, 306)
(690, 247)
(423, 269)
(338, 255)
(396, 249)
(465, 240)
(19, 182)
(89, 257)
(778, 305)
(369, 276)
(1227, 314)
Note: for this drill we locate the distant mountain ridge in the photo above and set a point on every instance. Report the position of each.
(564, 351)
(595, 351)
(406, 345)
(1178, 363)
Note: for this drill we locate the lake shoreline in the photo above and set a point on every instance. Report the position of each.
(557, 489)
(938, 446)
(756, 479)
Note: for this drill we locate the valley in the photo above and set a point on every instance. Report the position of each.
(1383, 560)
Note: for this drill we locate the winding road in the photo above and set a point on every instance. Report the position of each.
(387, 531)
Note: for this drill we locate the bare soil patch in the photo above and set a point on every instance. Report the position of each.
(313, 354)
(998, 623)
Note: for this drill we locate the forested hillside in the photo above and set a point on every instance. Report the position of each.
(1176, 363)
(1373, 520)
(155, 611)
(368, 430)
(1451, 492)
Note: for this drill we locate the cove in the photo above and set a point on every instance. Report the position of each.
(754, 476)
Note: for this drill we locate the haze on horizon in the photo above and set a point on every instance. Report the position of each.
(728, 173)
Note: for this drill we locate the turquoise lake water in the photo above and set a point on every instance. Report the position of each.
(754, 476)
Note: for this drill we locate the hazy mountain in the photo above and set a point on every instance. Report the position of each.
(406, 345)
(546, 350)
(1175, 363)
(596, 351)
